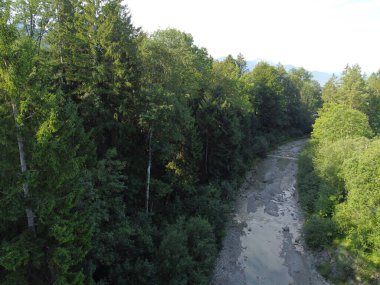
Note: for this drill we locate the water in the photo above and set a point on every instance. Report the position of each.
(263, 245)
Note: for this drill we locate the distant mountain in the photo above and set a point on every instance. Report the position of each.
(321, 77)
(251, 64)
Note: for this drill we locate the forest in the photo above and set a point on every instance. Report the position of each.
(339, 179)
(122, 150)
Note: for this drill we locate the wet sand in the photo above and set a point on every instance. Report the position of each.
(263, 244)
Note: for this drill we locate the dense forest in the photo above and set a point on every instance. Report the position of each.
(122, 150)
(339, 179)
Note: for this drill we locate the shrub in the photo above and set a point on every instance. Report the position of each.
(337, 121)
(260, 146)
(320, 232)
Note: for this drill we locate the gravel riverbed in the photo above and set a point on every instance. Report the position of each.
(264, 244)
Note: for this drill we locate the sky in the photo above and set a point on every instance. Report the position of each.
(323, 35)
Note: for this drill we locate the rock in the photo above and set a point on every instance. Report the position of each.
(251, 205)
(271, 208)
(249, 229)
(285, 229)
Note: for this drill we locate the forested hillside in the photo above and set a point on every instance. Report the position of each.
(339, 179)
(120, 150)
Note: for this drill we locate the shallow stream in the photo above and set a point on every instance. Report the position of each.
(263, 244)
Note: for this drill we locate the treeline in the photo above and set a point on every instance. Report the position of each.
(121, 150)
(339, 179)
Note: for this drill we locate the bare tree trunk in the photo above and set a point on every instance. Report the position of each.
(25, 186)
(206, 155)
(147, 193)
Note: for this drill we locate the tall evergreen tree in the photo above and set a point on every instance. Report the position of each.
(374, 101)
(53, 151)
(172, 81)
(353, 90)
(329, 90)
(94, 56)
(308, 100)
(268, 97)
(350, 90)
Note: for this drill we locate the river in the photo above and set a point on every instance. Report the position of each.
(263, 243)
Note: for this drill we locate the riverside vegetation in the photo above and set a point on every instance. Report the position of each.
(130, 145)
(339, 179)
(121, 150)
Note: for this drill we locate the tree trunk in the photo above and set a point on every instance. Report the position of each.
(147, 193)
(25, 186)
(206, 155)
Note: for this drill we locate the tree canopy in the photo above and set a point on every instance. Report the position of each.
(122, 150)
(339, 176)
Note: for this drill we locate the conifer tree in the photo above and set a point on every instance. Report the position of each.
(53, 151)
(93, 55)
(268, 97)
(171, 76)
(374, 101)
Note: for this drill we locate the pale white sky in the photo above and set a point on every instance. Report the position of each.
(322, 35)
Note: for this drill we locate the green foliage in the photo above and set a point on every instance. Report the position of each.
(267, 95)
(304, 99)
(260, 146)
(330, 157)
(92, 99)
(359, 215)
(111, 239)
(338, 122)
(350, 90)
(192, 250)
(339, 271)
(210, 202)
(174, 270)
(318, 201)
(308, 182)
(355, 91)
(202, 249)
(374, 101)
(339, 180)
(330, 90)
(319, 232)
